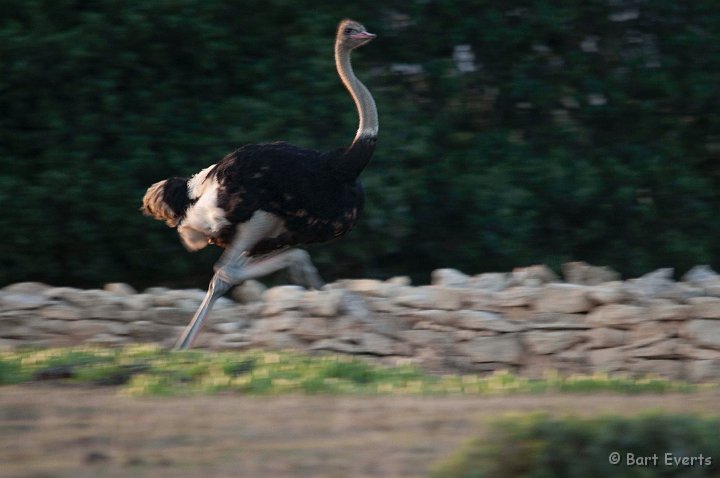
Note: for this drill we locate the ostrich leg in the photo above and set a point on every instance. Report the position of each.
(302, 270)
(217, 288)
(249, 233)
(297, 261)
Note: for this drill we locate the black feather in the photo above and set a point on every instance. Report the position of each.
(353, 160)
(175, 195)
(299, 185)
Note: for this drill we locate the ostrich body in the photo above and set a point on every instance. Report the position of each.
(262, 199)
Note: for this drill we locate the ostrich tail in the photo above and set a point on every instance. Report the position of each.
(167, 201)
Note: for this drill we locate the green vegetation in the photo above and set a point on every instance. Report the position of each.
(539, 446)
(578, 131)
(150, 370)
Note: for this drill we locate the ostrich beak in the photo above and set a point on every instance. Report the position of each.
(363, 36)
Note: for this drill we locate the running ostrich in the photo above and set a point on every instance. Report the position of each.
(262, 199)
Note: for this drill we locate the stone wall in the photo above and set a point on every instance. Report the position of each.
(526, 321)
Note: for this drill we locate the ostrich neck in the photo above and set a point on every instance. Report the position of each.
(367, 111)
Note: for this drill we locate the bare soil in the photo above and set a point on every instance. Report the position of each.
(51, 431)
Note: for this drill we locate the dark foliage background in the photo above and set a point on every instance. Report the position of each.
(511, 132)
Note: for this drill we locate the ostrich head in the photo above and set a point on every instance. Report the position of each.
(352, 34)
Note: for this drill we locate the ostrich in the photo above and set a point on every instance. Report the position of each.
(262, 199)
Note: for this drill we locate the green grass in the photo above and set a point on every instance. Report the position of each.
(144, 369)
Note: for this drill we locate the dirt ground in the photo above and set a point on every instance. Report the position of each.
(50, 431)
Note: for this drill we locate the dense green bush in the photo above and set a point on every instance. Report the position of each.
(581, 130)
(539, 446)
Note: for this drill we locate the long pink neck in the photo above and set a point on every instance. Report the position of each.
(367, 111)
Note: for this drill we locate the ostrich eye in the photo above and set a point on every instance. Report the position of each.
(348, 31)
